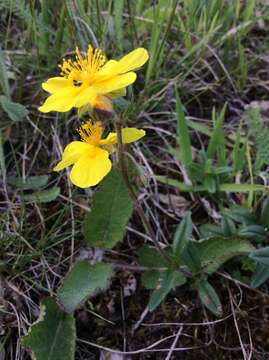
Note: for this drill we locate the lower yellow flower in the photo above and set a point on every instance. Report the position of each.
(90, 156)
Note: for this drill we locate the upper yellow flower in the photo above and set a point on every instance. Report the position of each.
(91, 155)
(88, 78)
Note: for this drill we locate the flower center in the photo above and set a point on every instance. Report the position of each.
(84, 67)
(91, 132)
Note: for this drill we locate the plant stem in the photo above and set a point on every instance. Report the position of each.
(133, 196)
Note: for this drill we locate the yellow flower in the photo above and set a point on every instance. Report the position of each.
(91, 155)
(88, 78)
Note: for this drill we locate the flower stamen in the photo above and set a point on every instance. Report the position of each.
(91, 132)
(90, 64)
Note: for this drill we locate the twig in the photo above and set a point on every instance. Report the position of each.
(168, 357)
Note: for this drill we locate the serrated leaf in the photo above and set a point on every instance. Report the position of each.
(260, 275)
(169, 279)
(209, 297)
(43, 196)
(112, 207)
(82, 281)
(216, 251)
(53, 336)
(182, 235)
(16, 112)
(261, 255)
(29, 183)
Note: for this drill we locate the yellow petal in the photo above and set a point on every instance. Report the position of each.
(108, 67)
(115, 83)
(90, 170)
(111, 139)
(56, 84)
(72, 153)
(61, 101)
(85, 97)
(129, 135)
(132, 61)
(117, 93)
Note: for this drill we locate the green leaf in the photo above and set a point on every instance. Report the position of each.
(82, 281)
(182, 235)
(265, 212)
(209, 297)
(29, 183)
(150, 257)
(259, 132)
(217, 136)
(217, 250)
(241, 187)
(228, 226)
(260, 275)
(167, 281)
(150, 279)
(43, 196)
(15, 111)
(210, 230)
(261, 255)
(3, 75)
(253, 232)
(183, 134)
(222, 187)
(191, 256)
(53, 336)
(238, 153)
(112, 207)
(210, 184)
(118, 8)
(240, 214)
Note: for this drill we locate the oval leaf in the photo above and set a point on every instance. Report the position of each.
(53, 336)
(29, 183)
(168, 280)
(82, 281)
(261, 255)
(260, 275)
(112, 207)
(16, 112)
(217, 250)
(209, 297)
(43, 196)
(182, 235)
